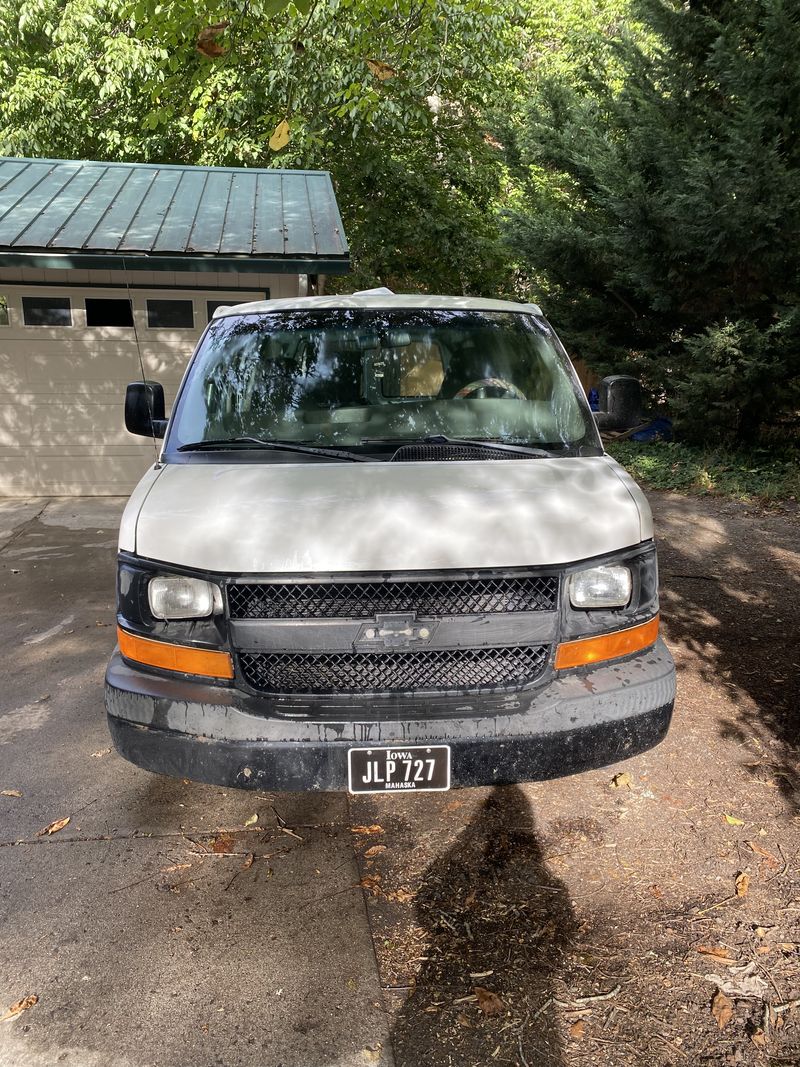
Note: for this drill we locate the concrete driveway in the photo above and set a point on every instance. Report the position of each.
(144, 945)
(604, 912)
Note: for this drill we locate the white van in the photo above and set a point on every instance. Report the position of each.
(383, 549)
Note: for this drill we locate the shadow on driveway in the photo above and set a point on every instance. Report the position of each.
(731, 604)
(495, 917)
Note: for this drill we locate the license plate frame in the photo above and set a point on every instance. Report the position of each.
(410, 772)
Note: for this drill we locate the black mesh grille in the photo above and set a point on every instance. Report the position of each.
(386, 672)
(364, 600)
(439, 453)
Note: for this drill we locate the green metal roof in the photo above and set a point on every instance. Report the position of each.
(74, 213)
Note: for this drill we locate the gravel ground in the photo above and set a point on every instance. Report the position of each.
(606, 911)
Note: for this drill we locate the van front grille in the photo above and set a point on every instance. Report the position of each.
(440, 670)
(366, 599)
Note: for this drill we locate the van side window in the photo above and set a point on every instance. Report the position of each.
(4, 320)
(46, 311)
(170, 314)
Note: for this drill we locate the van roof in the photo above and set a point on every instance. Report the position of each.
(378, 300)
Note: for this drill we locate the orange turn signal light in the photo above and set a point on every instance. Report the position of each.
(174, 657)
(607, 646)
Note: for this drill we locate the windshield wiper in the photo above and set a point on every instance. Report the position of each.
(276, 445)
(465, 442)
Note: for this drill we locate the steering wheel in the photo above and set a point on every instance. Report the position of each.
(508, 388)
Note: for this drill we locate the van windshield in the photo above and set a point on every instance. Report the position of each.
(368, 380)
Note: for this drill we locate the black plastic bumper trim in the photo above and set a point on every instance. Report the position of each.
(303, 766)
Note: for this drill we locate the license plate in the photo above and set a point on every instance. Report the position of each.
(420, 768)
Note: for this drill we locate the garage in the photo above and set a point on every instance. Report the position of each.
(109, 272)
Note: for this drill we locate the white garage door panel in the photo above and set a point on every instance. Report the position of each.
(83, 366)
(12, 372)
(62, 391)
(93, 476)
(16, 423)
(15, 475)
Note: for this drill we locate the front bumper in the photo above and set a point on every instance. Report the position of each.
(581, 720)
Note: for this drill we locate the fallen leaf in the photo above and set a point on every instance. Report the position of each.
(223, 844)
(717, 952)
(769, 860)
(375, 850)
(280, 136)
(758, 1037)
(469, 900)
(722, 1009)
(656, 891)
(207, 42)
(249, 860)
(731, 820)
(742, 982)
(382, 71)
(462, 1020)
(373, 829)
(53, 828)
(20, 1006)
(10, 793)
(622, 781)
(251, 821)
(488, 1002)
(370, 882)
(402, 896)
(578, 1029)
(742, 884)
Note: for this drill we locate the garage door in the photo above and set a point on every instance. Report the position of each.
(66, 355)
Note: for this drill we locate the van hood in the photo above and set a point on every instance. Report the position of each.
(235, 518)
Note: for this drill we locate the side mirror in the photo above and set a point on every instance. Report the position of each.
(144, 409)
(620, 402)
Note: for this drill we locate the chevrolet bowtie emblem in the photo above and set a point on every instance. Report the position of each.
(398, 630)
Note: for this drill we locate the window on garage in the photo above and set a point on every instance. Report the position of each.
(244, 298)
(170, 314)
(46, 311)
(108, 312)
(4, 320)
(212, 305)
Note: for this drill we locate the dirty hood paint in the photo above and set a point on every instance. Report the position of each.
(329, 517)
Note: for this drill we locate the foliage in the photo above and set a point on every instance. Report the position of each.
(388, 95)
(761, 476)
(661, 208)
(738, 376)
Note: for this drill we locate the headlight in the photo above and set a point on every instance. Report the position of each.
(183, 598)
(600, 587)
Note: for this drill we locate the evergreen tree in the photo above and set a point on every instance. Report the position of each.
(662, 209)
